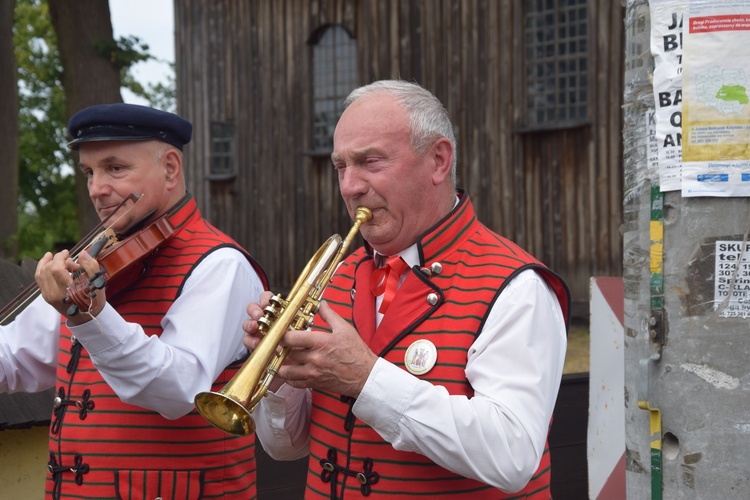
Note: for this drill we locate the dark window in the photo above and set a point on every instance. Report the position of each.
(557, 80)
(334, 76)
(222, 158)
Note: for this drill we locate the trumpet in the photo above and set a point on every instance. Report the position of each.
(231, 408)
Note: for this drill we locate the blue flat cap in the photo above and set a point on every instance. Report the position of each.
(128, 122)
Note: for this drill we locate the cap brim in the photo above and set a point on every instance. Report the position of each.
(73, 145)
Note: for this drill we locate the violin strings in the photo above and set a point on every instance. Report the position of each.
(89, 238)
(135, 202)
(80, 272)
(22, 301)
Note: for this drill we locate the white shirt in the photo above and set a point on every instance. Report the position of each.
(498, 436)
(202, 335)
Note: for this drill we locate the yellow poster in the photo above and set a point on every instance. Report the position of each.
(716, 99)
(716, 110)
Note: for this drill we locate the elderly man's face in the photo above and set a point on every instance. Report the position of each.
(378, 169)
(115, 169)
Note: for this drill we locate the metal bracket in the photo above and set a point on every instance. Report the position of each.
(657, 328)
(655, 430)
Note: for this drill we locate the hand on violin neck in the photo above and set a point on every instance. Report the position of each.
(89, 288)
(61, 280)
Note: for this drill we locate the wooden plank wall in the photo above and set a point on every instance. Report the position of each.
(558, 193)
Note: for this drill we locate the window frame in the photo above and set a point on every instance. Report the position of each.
(332, 94)
(228, 156)
(525, 107)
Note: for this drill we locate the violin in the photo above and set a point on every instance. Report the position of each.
(115, 256)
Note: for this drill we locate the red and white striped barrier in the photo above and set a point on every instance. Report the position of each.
(606, 428)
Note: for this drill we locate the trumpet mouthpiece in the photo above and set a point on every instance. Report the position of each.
(363, 215)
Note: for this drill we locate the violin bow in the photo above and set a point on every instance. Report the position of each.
(31, 291)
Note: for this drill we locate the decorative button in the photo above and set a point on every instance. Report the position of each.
(361, 478)
(328, 466)
(426, 272)
(436, 267)
(57, 402)
(432, 299)
(420, 357)
(352, 294)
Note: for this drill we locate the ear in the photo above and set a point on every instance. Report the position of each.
(442, 155)
(172, 163)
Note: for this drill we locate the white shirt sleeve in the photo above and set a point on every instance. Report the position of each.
(515, 367)
(282, 423)
(28, 349)
(497, 436)
(202, 334)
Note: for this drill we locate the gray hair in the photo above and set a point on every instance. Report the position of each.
(161, 148)
(429, 118)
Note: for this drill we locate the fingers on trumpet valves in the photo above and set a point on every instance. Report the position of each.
(264, 323)
(270, 311)
(277, 300)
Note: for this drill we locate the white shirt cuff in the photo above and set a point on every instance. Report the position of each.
(92, 333)
(384, 398)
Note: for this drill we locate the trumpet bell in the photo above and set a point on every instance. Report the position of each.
(225, 413)
(229, 410)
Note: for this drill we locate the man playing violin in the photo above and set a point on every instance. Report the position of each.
(127, 362)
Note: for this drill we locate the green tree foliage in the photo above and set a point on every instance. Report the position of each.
(47, 203)
(47, 194)
(128, 51)
(162, 95)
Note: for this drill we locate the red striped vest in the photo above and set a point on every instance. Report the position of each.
(350, 460)
(101, 447)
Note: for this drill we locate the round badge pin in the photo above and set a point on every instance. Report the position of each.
(420, 357)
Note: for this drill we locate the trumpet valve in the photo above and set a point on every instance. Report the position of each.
(270, 313)
(277, 301)
(264, 324)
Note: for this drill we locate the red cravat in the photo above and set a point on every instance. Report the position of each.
(385, 279)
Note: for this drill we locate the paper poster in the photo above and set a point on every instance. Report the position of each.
(666, 47)
(732, 279)
(716, 99)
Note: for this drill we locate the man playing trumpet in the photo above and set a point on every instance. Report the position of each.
(436, 358)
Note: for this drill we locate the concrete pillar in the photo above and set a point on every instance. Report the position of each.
(687, 375)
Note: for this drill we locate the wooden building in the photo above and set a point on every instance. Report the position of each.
(534, 89)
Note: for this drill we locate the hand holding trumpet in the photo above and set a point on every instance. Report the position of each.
(337, 362)
(316, 354)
